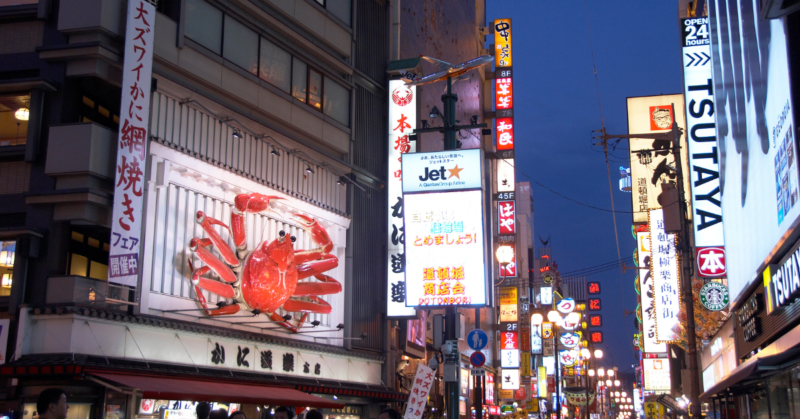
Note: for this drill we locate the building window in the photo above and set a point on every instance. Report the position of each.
(240, 45)
(337, 101)
(299, 79)
(14, 114)
(275, 66)
(7, 253)
(225, 36)
(339, 8)
(88, 254)
(91, 111)
(204, 25)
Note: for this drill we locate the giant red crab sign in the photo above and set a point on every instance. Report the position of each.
(266, 278)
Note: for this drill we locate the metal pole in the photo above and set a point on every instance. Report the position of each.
(452, 389)
(686, 288)
(449, 100)
(558, 373)
(478, 380)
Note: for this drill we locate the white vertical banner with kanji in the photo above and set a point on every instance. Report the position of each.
(123, 259)
(418, 397)
(402, 122)
(666, 278)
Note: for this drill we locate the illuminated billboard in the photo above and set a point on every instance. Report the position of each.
(755, 131)
(644, 260)
(656, 375)
(502, 43)
(444, 239)
(505, 175)
(666, 279)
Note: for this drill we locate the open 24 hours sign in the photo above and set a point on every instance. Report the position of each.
(445, 240)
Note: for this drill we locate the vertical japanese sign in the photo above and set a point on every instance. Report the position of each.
(666, 281)
(502, 43)
(126, 224)
(541, 381)
(703, 157)
(418, 397)
(653, 161)
(508, 304)
(647, 289)
(506, 217)
(402, 121)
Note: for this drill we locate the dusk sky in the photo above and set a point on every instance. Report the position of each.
(637, 53)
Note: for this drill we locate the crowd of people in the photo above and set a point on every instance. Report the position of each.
(52, 404)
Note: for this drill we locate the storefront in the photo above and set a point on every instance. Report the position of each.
(766, 347)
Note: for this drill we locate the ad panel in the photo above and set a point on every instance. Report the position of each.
(755, 134)
(647, 288)
(666, 279)
(652, 161)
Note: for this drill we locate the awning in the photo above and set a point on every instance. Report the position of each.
(214, 391)
(752, 368)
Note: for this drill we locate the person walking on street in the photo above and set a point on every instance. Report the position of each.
(52, 404)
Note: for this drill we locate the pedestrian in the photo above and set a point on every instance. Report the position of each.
(283, 413)
(389, 413)
(202, 410)
(313, 414)
(218, 414)
(237, 415)
(52, 404)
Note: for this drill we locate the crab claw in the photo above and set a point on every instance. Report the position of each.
(244, 203)
(318, 234)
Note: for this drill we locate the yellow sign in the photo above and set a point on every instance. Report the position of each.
(541, 381)
(508, 295)
(502, 43)
(525, 364)
(505, 395)
(653, 410)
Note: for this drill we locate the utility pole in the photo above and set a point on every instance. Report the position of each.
(686, 257)
(452, 388)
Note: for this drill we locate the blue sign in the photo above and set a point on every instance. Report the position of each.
(477, 359)
(477, 339)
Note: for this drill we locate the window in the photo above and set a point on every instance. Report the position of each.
(340, 9)
(91, 111)
(204, 25)
(240, 45)
(88, 254)
(7, 252)
(14, 114)
(337, 102)
(299, 79)
(315, 89)
(225, 36)
(275, 66)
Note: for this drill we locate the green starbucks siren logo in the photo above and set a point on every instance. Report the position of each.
(714, 296)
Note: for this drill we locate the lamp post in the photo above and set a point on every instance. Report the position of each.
(505, 255)
(558, 321)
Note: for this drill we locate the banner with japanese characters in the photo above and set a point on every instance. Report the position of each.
(418, 396)
(402, 122)
(502, 42)
(137, 70)
(647, 289)
(666, 279)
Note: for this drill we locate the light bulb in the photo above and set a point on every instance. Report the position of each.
(22, 114)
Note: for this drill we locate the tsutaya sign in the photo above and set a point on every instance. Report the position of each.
(137, 70)
(782, 282)
(703, 153)
(402, 121)
(443, 217)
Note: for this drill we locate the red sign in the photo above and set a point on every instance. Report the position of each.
(493, 410)
(509, 340)
(525, 338)
(596, 337)
(519, 394)
(660, 118)
(506, 217)
(594, 288)
(505, 133)
(595, 320)
(510, 270)
(711, 262)
(594, 304)
(504, 98)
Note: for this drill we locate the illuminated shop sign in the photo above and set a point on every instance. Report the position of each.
(442, 171)
(503, 93)
(502, 43)
(508, 304)
(506, 216)
(504, 127)
(594, 288)
(510, 270)
(647, 288)
(665, 276)
(402, 121)
(509, 379)
(703, 156)
(505, 175)
(748, 317)
(656, 374)
(782, 282)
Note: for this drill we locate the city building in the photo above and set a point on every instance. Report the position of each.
(278, 98)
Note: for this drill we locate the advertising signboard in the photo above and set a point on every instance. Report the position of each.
(509, 379)
(666, 279)
(656, 374)
(418, 396)
(647, 287)
(652, 160)
(402, 121)
(703, 156)
(443, 213)
(754, 129)
(126, 222)
(502, 43)
(506, 217)
(508, 304)
(505, 175)
(510, 270)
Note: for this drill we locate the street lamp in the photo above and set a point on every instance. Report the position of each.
(591, 373)
(601, 372)
(504, 256)
(554, 317)
(586, 353)
(610, 373)
(537, 319)
(598, 353)
(624, 394)
(608, 383)
(616, 383)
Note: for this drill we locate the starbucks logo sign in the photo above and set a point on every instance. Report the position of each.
(714, 296)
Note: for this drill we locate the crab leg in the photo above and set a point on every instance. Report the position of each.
(317, 306)
(278, 319)
(244, 203)
(229, 309)
(318, 235)
(207, 224)
(325, 263)
(326, 286)
(198, 290)
(198, 246)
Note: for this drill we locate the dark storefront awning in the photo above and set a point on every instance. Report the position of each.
(751, 370)
(214, 391)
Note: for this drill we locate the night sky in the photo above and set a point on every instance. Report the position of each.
(637, 53)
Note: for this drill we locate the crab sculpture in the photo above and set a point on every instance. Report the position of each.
(266, 278)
